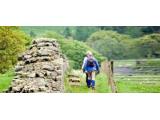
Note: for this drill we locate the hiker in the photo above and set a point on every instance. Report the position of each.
(90, 67)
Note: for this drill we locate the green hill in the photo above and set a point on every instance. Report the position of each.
(74, 50)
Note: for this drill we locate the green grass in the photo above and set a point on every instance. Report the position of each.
(138, 83)
(5, 80)
(101, 85)
(144, 83)
(137, 87)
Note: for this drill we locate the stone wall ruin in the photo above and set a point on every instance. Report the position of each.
(40, 69)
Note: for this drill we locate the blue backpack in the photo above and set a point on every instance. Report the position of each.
(90, 62)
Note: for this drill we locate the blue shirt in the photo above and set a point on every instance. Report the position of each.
(88, 68)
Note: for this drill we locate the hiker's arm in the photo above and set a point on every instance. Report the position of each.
(84, 62)
(97, 66)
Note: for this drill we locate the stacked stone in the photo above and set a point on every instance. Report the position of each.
(40, 68)
(74, 80)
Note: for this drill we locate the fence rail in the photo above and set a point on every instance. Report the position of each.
(137, 71)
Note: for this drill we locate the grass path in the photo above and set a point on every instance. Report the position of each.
(101, 85)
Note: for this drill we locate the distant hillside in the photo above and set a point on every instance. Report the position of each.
(41, 29)
(74, 50)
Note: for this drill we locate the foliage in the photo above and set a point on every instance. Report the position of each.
(148, 46)
(75, 32)
(32, 34)
(5, 80)
(83, 32)
(117, 46)
(150, 29)
(133, 31)
(12, 42)
(38, 30)
(74, 50)
(54, 35)
(67, 32)
(110, 44)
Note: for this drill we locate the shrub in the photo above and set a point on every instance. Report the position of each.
(110, 44)
(12, 42)
(74, 50)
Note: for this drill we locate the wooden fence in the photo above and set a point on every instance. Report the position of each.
(144, 71)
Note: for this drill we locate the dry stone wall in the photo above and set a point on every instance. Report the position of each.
(40, 69)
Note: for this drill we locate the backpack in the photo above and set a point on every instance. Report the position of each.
(90, 62)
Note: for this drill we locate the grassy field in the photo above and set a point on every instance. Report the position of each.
(137, 83)
(5, 80)
(137, 87)
(101, 85)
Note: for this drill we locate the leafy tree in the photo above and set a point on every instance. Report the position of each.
(110, 44)
(74, 50)
(149, 45)
(38, 30)
(133, 31)
(151, 29)
(54, 35)
(82, 33)
(12, 42)
(67, 32)
(32, 34)
(119, 29)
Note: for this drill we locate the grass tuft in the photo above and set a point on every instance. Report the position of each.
(5, 80)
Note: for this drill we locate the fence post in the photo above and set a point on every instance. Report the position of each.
(111, 81)
(112, 67)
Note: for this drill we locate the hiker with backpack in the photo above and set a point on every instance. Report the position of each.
(90, 67)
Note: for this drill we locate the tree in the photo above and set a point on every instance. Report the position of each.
(133, 31)
(32, 34)
(148, 46)
(151, 29)
(119, 29)
(110, 44)
(12, 42)
(67, 32)
(82, 33)
(74, 50)
(54, 35)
